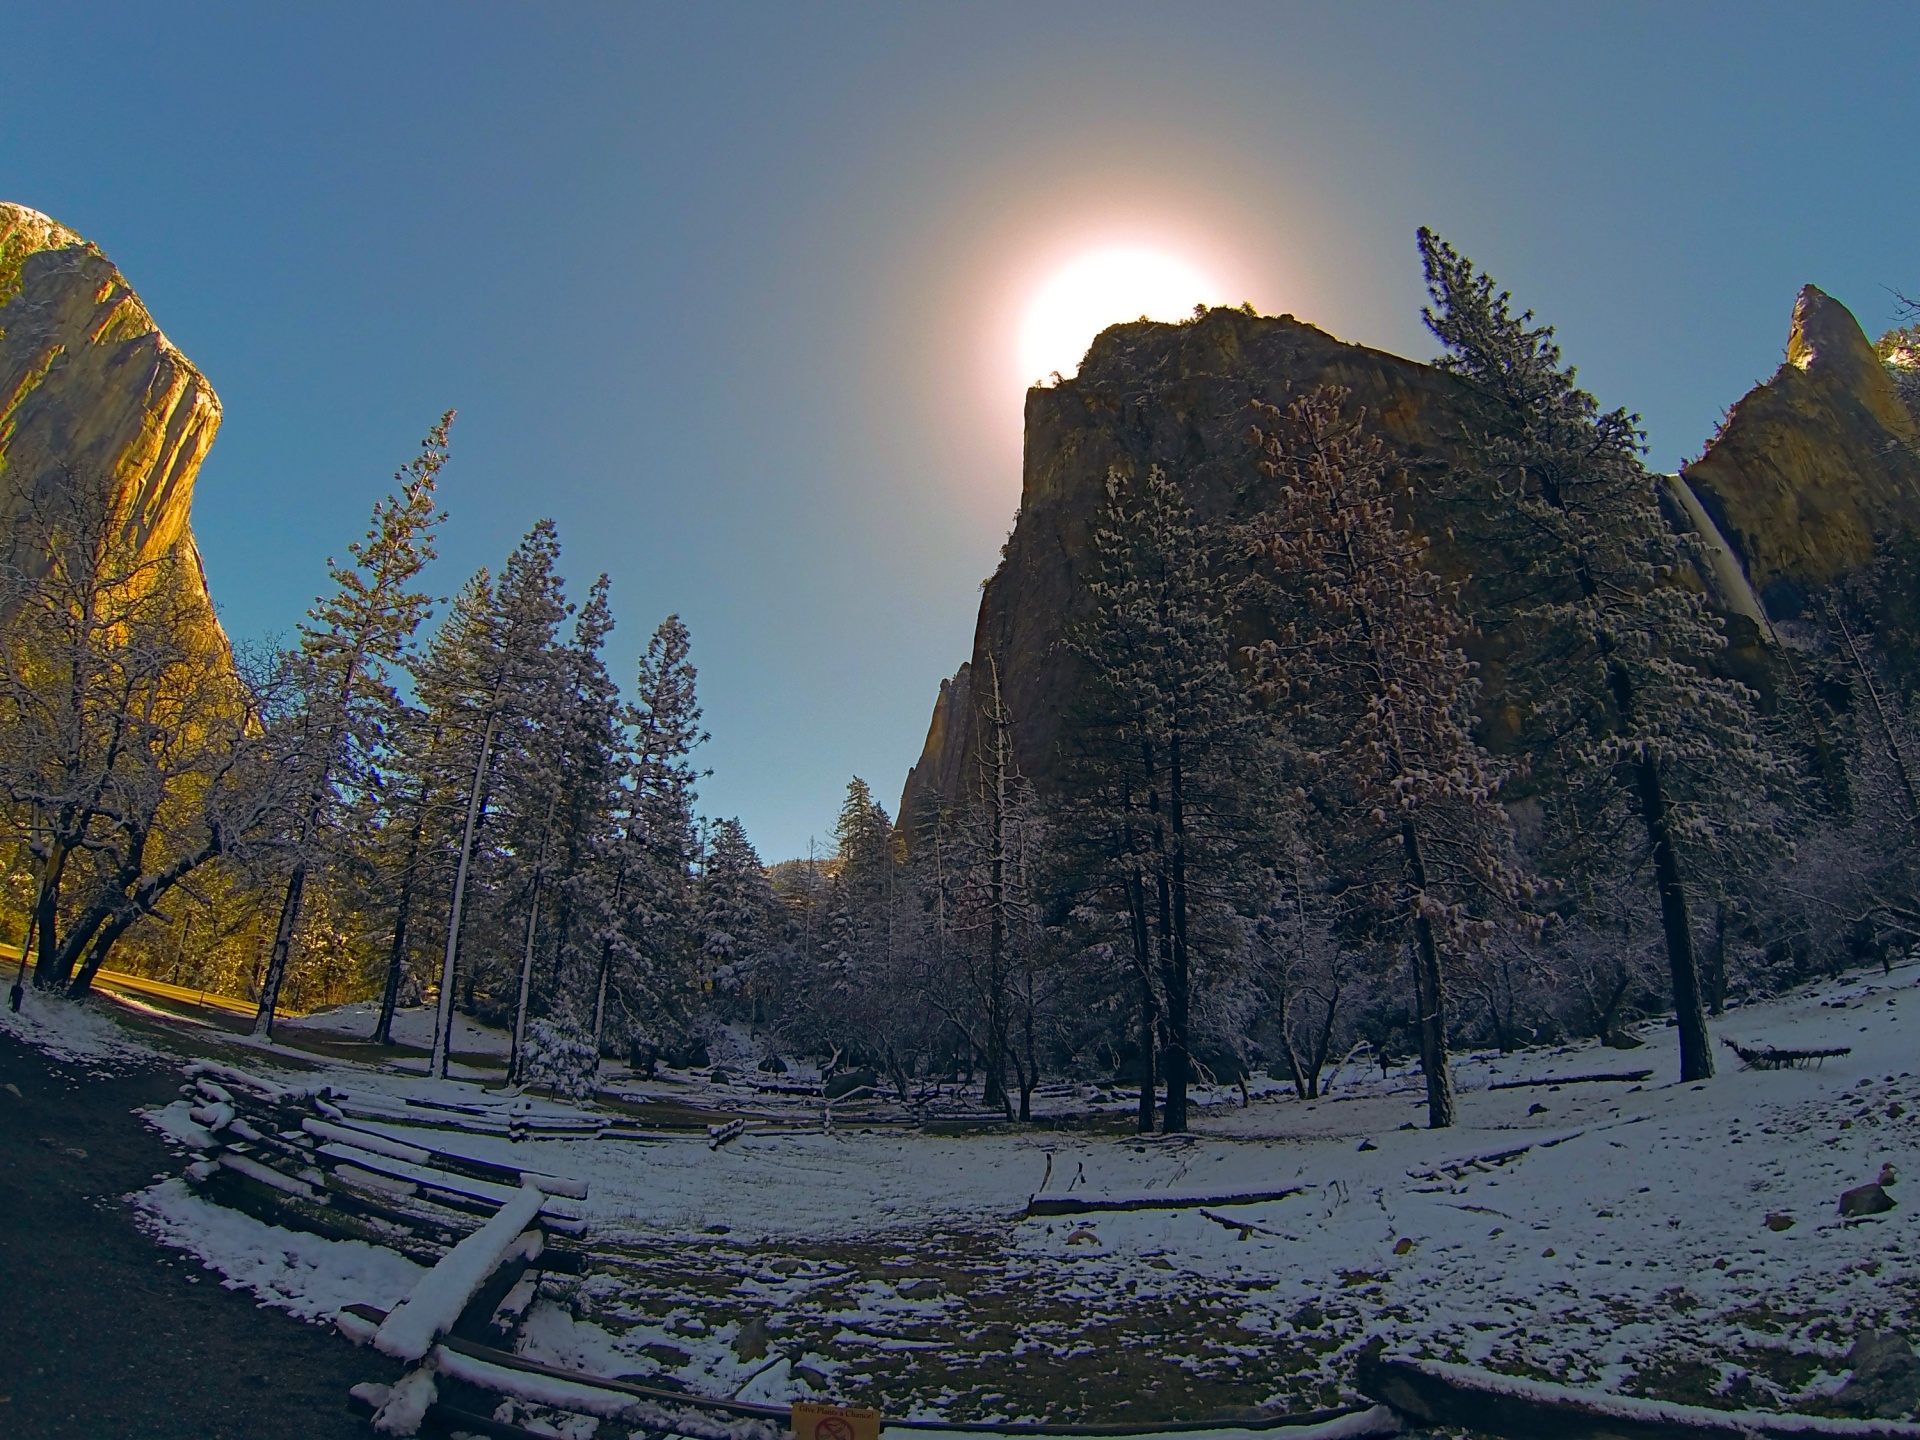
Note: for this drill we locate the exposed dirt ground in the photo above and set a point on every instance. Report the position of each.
(103, 1334)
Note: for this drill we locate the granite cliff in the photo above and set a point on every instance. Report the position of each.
(92, 393)
(1816, 467)
(1809, 471)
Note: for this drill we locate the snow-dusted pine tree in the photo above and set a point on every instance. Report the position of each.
(733, 908)
(649, 957)
(559, 795)
(351, 642)
(1607, 659)
(476, 679)
(1369, 684)
(1166, 787)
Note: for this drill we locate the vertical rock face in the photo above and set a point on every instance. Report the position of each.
(92, 393)
(1809, 471)
(1813, 467)
(1148, 393)
(939, 770)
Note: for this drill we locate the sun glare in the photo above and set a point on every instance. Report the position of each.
(1105, 288)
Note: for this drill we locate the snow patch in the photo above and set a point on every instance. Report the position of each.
(70, 1030)
(308, 1277)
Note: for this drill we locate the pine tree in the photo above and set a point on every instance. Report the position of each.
(480, 674)
(1166, 792)
(733, 907)
(349, 647)
(998, 796)
(1606, 655)
(648, 964)
(585, 897)
(560, 783)
(1372, 690)
(414, 790)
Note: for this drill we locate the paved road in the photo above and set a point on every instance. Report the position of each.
(104, 1335)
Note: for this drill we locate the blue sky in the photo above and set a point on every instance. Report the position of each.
(730, 291)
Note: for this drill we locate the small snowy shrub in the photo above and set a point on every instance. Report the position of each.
(560, 1059)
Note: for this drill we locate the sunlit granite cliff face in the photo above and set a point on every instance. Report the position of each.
(1808, 471)
(92, 393)
(1816, 466)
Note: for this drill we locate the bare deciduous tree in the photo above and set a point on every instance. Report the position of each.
(132, 749)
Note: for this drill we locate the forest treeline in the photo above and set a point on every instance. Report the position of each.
(1274, 837)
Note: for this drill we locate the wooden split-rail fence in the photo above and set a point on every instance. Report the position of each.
(305, 1158)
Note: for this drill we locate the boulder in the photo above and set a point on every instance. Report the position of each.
(1885, 1382)
(1865, 1200)
(847, 1081)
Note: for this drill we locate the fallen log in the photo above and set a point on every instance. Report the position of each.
(1624, 1077)
(1461, 1397)
(1768, 1057)
(1040, 1205)
(1457, 1169)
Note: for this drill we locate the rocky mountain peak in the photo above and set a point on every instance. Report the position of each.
(1828, 344)
(1817, 463)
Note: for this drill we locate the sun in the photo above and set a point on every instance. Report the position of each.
(1102, 288)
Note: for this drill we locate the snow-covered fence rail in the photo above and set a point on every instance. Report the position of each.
(1461, 1397)
(410, 1329)
(453, 1164)
(517, 1119)
(290, 1156)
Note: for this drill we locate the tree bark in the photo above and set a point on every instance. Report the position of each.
(103, 940)
(403, 912)
(526, 987)
(1179, 975)
(1137, 916)
(46, 916)
(1429, 989)
(443, 1018)
(1163, 915)
(526, 959)
(282, 948)
(1696, 1047)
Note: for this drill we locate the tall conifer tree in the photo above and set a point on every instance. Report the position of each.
(348, 647)
(1167, 786)
(1373, 692)
(480, 675)
(1609, 657)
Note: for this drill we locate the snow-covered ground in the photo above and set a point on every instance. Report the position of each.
(84, 1034)
(1676, 1240)
(411, 1026)
(302, 1274)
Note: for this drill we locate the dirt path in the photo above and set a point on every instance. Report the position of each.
(102, 1333)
